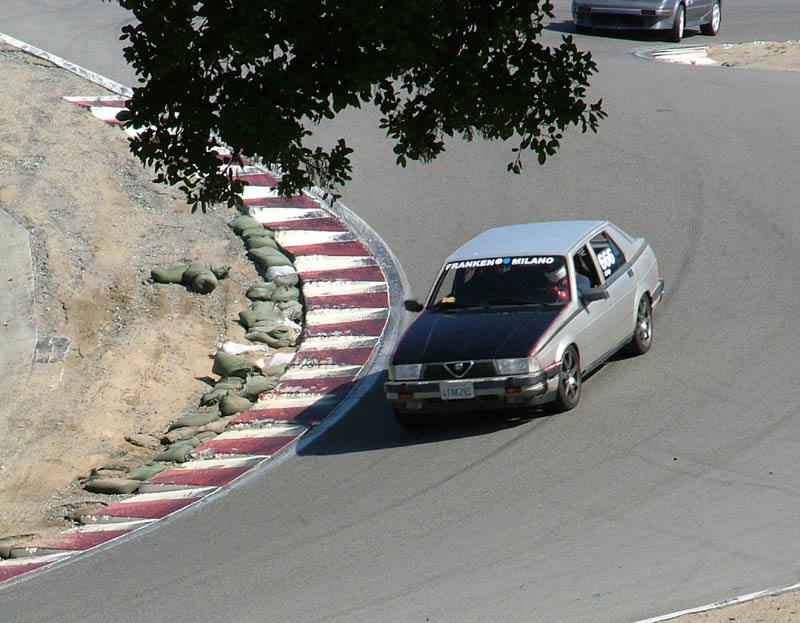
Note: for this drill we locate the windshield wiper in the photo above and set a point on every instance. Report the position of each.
(453, 305)
(510, 301)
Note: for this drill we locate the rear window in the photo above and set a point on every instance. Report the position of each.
(503, 281)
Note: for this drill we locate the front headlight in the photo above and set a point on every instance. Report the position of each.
(518, 365)
(405, 371)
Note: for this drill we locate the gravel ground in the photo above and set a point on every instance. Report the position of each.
(131, 356)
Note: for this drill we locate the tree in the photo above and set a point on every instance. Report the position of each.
(252, 75)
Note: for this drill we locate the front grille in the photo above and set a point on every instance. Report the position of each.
(478, 370)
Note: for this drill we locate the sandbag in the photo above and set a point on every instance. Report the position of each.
(261, 241)
(146, 472)
(229, 382)
(286, 279)
(111, 486)
(178, 452)
(242, 222)
(267, 257)
(265, 338)
(168, 275)
(232, 365)
(195, 419)
(214, 396)
(285, 293)
(200, 278)
(278, 370)
(142, 440)
(256, 232)
(178, 434)
(261, 292)
(292, 310)
(256, 385)
(232, 404)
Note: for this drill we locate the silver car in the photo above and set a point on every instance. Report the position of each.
(520, 314)
(671, 16)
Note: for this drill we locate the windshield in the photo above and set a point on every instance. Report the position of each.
(490, 282)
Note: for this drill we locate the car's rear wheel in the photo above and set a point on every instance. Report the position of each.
(643, 331)
(411, 421)
(676, 32)
(712, 28)
(569, 381)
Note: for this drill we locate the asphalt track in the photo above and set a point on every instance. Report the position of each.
(672, 485)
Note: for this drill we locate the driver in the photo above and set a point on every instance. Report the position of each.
(558, 284)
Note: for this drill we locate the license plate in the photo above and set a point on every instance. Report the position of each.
(457, 391)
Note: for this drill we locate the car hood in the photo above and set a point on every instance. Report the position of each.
(469, 335)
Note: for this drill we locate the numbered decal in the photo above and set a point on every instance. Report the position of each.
(607, 261)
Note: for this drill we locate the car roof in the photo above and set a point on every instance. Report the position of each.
(544, 238)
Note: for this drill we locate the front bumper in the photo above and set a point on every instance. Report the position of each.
(620, 18)
(500, 392)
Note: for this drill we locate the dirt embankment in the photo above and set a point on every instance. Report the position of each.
(128, 356)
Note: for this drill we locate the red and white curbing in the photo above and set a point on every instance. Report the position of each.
(696, 55)
(346, 311)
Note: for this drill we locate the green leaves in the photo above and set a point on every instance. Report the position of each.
(255, 75)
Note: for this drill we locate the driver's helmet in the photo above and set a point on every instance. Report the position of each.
(556, 274)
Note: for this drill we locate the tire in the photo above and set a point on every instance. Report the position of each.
(582, 30)
(712, 28)
(411, 421)
(643, 330)
(676, 32)
(569, 381)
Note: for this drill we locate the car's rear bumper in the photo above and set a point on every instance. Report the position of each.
(489, 393)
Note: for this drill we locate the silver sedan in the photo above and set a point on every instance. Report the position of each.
(520, 314)
(670, 16)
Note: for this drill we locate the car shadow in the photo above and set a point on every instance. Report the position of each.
(370, 424)
(641, 36)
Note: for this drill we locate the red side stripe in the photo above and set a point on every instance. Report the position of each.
(352, 247)
(154, 509)
(82, 540)
(368, 328)
(322, 223)
(357, 273)
(307, 416)
(9, 572)
(246, 445)
(343, 301)
(297, 201)
(258, 179)
(210, 477)
(347, 356)
(321, 385)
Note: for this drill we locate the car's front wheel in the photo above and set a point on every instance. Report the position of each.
(676, 32)
(569, 381)
(643, 331)
(712, 28)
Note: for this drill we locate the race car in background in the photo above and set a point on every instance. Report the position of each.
(670, 16)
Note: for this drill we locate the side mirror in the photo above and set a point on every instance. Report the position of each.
(412, 305)
(594, 294)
